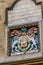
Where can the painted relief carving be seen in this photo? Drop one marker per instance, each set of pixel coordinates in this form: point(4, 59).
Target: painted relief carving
point(24, 39)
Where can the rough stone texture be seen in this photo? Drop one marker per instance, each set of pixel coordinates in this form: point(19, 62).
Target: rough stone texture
point(39, 0)
point(3, 5)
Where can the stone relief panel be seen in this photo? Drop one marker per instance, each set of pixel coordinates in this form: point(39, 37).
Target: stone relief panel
point(15, 17)
point(24, 12)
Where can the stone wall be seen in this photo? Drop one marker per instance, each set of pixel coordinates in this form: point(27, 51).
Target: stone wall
point(3, 5)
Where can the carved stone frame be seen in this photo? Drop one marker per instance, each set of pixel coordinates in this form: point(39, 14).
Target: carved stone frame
point(14, 27)
point(26, 62)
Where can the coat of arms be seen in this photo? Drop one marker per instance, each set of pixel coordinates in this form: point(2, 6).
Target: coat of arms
point(24, 38)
